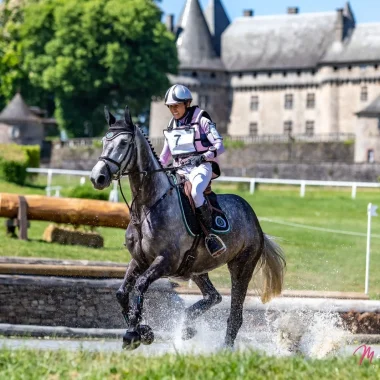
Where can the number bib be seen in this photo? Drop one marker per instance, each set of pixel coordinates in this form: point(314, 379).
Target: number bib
point(181, 141)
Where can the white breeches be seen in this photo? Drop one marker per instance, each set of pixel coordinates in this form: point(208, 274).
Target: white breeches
point(199, 177)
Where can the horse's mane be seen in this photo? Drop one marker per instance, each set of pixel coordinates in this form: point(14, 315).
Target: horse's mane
point(151, 148)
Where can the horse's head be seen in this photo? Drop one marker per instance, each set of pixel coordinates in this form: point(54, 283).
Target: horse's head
point(118, 150)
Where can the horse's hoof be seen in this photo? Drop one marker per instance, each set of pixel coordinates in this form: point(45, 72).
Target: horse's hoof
point(146, 333)
point(188, 333)
point(131, 340)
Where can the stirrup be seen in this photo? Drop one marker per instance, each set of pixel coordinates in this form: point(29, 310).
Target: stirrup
point(221, 249)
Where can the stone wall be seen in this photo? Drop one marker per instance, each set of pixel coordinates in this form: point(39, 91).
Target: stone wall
point(53, 301)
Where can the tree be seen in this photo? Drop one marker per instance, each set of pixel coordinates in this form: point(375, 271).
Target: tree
point(95, 52)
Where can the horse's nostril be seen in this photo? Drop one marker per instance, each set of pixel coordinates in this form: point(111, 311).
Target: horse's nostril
point(101, 179)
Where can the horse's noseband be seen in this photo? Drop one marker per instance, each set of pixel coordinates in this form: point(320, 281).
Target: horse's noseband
point(110, 136)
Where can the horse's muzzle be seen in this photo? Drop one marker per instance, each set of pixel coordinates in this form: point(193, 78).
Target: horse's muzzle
point(99, 176)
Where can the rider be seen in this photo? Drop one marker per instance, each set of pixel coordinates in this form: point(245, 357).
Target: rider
point(192, 140)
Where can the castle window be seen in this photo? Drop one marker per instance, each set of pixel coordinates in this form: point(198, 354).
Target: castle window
point(310, 101)
point(299, 73)
point(349, 68)
point(212, 75)
point(194, 74)
point(254, 75)
point(370, 156)
point(240, 75)
point(284, 74)
point(253, 129)
point(376, 67)
point(288, 127)
point(288, 101)
point(335, 68)
point(364, 94)
point(269, 74)
point(254, 103)
point(203, 101)
point(309, 128)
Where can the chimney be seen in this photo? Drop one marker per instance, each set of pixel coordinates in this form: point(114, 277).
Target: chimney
point(293, 10)
point(248, 13)
point(170, 22)
point(339, 26)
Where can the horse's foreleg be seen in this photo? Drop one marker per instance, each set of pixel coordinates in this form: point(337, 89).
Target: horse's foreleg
point(211, 297)
point(157, 269)
point(126, 287)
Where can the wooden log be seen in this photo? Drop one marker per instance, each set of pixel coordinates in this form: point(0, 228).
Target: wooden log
point(67, 210)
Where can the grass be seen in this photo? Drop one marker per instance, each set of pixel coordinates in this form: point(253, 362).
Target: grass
point(33, 364)
point(316, 260)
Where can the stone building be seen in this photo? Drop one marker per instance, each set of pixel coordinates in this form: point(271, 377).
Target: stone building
point(22, 124)
point(294, 75)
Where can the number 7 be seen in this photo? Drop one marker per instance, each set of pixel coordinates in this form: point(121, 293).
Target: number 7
point(178, 137)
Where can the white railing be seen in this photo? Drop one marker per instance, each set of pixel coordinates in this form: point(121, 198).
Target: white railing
point(252, 181)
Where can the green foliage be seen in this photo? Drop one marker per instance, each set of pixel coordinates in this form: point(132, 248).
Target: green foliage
point(88, 54)
point(233, 144)
point(88, 192)
point(349, 142)
point(14, 159)
point(223, 365)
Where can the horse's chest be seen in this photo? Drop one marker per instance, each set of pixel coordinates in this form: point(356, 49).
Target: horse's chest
point(132, 240)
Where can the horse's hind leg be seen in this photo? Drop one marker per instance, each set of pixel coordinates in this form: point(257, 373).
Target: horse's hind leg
point(126, 287)
point(241, 269)
point(211, 297)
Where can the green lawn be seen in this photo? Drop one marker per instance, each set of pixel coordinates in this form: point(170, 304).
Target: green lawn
point(34, 364)
point(316, 260)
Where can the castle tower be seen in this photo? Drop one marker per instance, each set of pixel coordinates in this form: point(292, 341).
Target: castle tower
point(200, 69)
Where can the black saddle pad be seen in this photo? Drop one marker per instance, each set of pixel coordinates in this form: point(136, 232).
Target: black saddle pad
point(220, 223)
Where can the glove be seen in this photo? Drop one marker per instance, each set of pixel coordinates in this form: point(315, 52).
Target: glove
point(195, 161)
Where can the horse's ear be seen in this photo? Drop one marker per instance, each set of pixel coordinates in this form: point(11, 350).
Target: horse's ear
point(109, 117)
point(127, 117)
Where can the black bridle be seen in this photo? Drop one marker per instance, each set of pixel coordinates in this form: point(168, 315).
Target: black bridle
point(120, 173)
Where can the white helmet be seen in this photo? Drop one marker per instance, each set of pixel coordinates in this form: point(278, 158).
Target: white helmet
point(177, 94)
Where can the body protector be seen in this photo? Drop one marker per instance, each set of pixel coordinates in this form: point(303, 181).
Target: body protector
point(192, 139)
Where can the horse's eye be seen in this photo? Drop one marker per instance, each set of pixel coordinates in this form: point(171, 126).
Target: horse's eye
point(123, 142)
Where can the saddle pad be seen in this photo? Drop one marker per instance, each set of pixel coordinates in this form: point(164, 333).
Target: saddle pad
point(220, 223)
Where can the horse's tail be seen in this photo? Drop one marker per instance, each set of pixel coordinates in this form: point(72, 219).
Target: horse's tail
point(272, 264)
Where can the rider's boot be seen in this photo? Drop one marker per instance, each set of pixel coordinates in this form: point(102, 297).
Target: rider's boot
point(214, 243)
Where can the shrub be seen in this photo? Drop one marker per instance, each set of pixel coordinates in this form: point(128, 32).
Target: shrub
point(87, 192)
point(14, 159)
point(233, 144)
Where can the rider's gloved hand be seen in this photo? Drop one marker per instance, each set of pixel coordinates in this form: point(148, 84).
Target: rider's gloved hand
point(196, 161)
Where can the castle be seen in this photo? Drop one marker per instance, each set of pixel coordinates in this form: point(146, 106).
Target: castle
point(310, 76)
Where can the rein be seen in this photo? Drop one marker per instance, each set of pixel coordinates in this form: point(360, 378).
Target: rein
point(118, 175)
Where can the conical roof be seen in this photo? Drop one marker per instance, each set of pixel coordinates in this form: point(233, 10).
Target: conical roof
point(194, 41)
point(372, 110)
point(217, 21)
point(17, 111)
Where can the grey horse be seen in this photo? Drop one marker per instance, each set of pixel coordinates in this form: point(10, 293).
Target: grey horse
point(158, 241)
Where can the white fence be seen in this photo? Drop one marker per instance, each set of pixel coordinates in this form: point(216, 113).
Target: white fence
point(252, 181)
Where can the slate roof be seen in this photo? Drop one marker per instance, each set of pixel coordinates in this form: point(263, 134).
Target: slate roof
point(194, 41)
point(217, 21)
point(278, 42)
point(18, 111)
point(362, 46)
point(373, 109)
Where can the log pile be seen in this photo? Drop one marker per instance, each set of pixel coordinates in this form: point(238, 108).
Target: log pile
point(66, 210)
point(67, 236)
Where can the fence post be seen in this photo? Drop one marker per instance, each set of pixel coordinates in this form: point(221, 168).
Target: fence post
point(353, 193)
point(252, 186)
point(49, 177)
point(303, 189)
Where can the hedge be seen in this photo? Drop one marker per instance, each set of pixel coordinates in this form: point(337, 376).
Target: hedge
point(14, 159)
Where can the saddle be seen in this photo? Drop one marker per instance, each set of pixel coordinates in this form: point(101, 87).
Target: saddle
point(220, 223)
